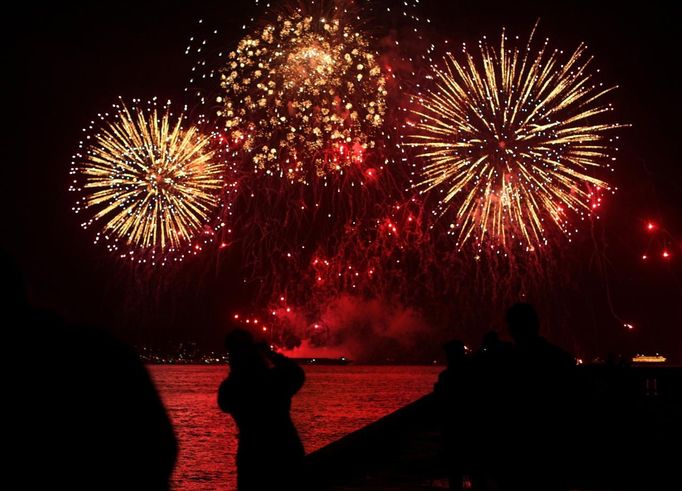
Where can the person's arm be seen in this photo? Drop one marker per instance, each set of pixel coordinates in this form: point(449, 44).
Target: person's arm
point(440, 386)
point(289, 374)
point(225, 396)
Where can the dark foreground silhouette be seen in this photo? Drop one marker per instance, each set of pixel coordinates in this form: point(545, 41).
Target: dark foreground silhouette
point(520, 416)
point(505, 411)
point(84, 414)
point(257, 393)
point(453, 390)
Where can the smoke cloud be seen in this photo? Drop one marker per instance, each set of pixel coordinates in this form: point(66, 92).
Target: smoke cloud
point(363, 330)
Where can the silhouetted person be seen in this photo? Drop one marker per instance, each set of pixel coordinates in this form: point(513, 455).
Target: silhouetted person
point(493, 351)
point(490, 394)
point(452, 392)
point(86, 414)
point(257, 393)
point(532, 349)
point(541, 384)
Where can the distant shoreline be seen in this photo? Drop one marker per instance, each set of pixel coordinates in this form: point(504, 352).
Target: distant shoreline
point(339, 362)
point(302, 361)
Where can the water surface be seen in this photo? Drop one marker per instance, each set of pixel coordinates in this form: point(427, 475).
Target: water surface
point(334, 401)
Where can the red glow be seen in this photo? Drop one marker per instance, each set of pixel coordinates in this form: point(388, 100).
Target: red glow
point(222, 140)
point(665, 254)
point(389, 227)
point(343, 153)
point(358, 153)
point(650, 226)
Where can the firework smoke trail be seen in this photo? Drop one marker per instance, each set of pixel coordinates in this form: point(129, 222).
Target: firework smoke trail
point(302, 106)
point(151, 184)
point(314, 220)
point(513, 141)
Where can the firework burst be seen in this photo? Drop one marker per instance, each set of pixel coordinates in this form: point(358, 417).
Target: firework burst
point(151, 184)
point(513, 141)
point(305, 96)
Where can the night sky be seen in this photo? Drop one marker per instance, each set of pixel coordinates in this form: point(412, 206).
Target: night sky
point(70, 61)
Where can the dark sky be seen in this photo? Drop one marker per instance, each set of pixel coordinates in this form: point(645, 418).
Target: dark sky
point(69, 61)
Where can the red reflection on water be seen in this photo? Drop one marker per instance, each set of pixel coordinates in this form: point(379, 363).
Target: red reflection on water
point(335, 401)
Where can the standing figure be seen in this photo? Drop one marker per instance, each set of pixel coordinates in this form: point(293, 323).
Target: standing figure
point(539, 410)
point(257, 394)
point(452, 393)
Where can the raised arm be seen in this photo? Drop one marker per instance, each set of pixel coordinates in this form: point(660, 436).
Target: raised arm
point(289, 374)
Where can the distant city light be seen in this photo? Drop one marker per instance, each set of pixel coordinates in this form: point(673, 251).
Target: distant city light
point(649, 359)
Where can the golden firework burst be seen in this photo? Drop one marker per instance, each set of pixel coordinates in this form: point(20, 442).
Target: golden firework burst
point(513, 140)
point(151, 183)
point(304, 93)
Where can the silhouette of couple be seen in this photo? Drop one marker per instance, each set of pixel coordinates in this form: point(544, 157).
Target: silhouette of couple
point(505, 410)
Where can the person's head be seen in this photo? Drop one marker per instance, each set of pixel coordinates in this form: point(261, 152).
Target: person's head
point(491, 338)
point(242, 349)
point(454, 351)
point(523, 323)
